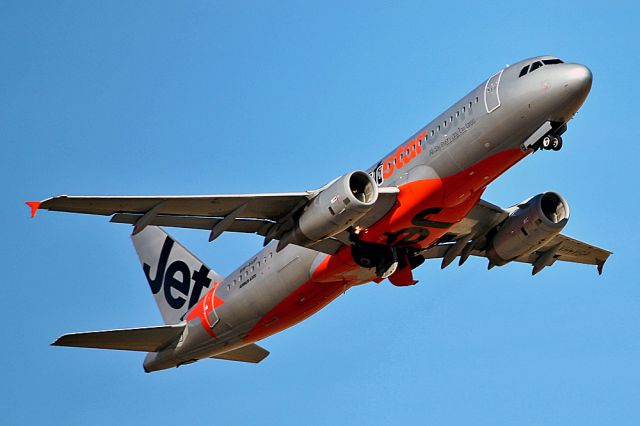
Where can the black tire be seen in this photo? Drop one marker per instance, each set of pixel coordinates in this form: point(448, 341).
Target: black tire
point(546, 142)
point(556, 144)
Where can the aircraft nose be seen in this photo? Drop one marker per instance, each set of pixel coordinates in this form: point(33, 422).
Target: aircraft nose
point(578, 79)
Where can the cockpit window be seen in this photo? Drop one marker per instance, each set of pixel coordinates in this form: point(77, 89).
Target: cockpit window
point(535, 66)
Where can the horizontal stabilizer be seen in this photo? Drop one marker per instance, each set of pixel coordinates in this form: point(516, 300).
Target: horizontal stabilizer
point(146, 339)
point(250, 353)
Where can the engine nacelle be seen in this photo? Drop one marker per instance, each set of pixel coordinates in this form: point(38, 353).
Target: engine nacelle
point(334, 209)
point(530, 226)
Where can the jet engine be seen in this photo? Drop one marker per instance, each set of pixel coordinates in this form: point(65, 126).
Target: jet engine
point(336, 207)
point(531, 225)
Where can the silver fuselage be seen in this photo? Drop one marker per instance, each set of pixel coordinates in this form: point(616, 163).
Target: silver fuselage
point(486, 127)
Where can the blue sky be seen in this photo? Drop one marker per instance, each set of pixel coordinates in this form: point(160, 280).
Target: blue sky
point(205, 97)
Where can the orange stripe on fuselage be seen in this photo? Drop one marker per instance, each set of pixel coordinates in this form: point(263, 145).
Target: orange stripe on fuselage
point(336, 273)
point(305, 301)
point(444, 200)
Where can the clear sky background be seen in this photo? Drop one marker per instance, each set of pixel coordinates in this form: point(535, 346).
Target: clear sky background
point(201, 97)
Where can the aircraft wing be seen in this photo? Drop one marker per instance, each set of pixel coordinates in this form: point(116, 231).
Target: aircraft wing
point(485, 216)
point(262, 206)
point(247, 213)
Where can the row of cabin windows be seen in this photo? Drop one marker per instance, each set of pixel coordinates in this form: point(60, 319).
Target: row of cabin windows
point(433, 132)
point(537, 64)
point(450, 120)
point(245, 274)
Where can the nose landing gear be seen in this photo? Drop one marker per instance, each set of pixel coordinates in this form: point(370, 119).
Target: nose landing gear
point(551, 142)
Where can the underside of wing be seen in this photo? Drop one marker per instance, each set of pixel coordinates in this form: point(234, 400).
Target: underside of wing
point(570, 250)
point(269, 215)
point(475, 235)
point(264, 206)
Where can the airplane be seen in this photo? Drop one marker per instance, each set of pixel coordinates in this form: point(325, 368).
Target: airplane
point(420, 201)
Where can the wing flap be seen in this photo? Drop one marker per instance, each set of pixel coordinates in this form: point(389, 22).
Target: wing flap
point(483, 216)
point(570, 250)
point(251, 353)
point(249, 226)
point(146, 339)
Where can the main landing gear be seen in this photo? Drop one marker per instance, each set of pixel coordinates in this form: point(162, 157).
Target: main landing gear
point(390, 262)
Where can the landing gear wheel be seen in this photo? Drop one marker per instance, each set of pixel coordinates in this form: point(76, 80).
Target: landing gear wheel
point(556, 143)
point(546, 142)
point(385, 272)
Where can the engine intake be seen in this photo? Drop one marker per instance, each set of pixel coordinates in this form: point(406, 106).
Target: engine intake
point(531, 225)
point(336, 207)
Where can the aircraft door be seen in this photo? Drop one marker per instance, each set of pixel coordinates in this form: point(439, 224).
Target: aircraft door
point(491, 93)
point(210, 304)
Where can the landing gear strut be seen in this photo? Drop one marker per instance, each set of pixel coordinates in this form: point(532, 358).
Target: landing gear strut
point(383, 258)
point(390, 262)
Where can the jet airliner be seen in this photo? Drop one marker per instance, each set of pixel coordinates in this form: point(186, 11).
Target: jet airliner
point(420, 201)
